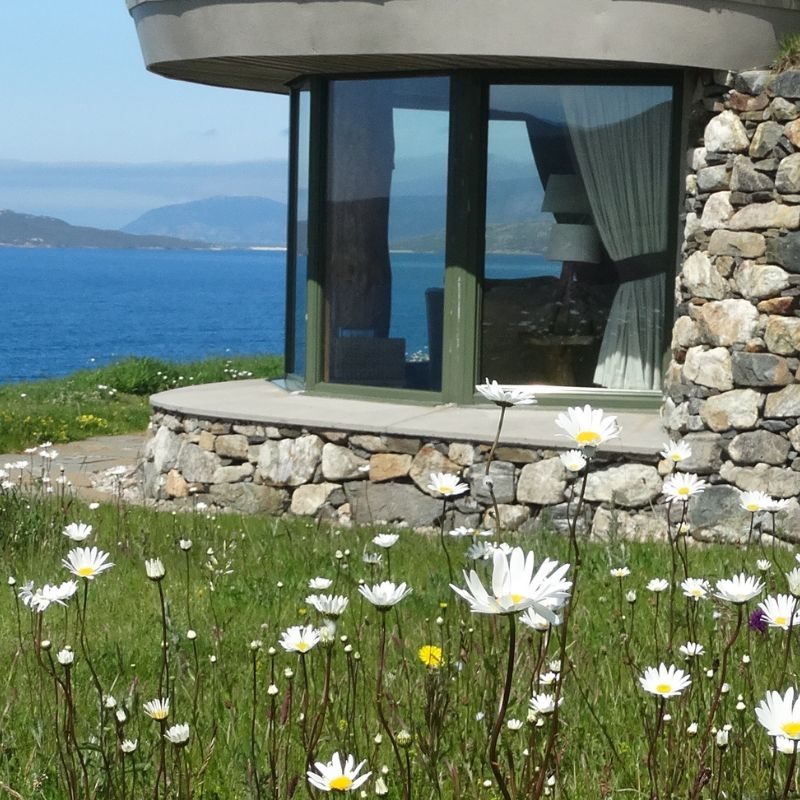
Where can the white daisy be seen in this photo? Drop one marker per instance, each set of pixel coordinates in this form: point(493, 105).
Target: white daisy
point(299, 638)
point(587, 426)
point(445, 484)
point(386, 594)
point(157, 709)
point(658, 585)
point(692, 649)
point(337, 777)
point(781, 611)
point(573, 460)
point(462, 531)
point(178, 734)
point(77, 531)
point(664, 681)
point(385, 540)
point(154, 568)
point(320, 584)
point(695, 588)
point(676, 451)
point(780, 715)
point(505, 396)
point(543, 703)
point(682, 486)
point(620, 572)
point(754, 501)
point(536, 621)
point(128, 745)
point(329, 605)
point(86, 562)
point(739, 589)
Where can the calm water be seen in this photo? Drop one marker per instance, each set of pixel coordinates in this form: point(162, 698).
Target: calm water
point(63, 310)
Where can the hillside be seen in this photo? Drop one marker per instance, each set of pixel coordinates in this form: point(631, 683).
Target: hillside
point(28, 230)
point(223, 220)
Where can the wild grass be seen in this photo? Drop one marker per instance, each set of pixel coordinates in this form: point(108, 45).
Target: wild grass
point(107, 400)
point(259, 716)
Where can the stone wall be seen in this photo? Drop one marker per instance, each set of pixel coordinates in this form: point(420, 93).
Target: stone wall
point(370, 479)
point(732, 387)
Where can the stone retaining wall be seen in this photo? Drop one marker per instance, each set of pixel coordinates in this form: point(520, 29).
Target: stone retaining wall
point(370, 479)
point(732, 388)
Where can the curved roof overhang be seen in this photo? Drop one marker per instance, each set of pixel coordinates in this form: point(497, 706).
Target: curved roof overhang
point(265, 44)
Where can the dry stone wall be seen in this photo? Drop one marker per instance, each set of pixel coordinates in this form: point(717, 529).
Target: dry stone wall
point(732, 387)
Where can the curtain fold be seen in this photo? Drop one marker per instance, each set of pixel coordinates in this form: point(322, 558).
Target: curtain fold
point(621, 138)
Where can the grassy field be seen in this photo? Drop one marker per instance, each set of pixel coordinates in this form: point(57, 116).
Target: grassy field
point(259, 716)
point(107, 400)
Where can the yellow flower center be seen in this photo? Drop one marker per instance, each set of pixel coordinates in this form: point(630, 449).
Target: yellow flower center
point(780, 620)
point(517, 598)
point(663, 688)
point(683, 491)
point(159, 714)
point(676, 457)
point(587, 437)
point(85, 572)
point(445, 490)
point(341, 784)
point(302, 646)
point(791, 729)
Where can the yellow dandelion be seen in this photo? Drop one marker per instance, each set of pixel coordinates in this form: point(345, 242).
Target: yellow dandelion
point(431, 656)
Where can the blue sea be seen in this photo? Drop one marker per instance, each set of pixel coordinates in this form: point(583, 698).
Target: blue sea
point(67, 309)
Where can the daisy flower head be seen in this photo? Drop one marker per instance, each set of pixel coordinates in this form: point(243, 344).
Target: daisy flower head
point(620, 572)
point(320, 584)
point(681, 486)
point(178, 734)
point(431, 656)
point(337, 777)
point(85, 562)
point(329, 605)
point(462, 531)
point(793, 581)
point(780, 715)
point(543, 703)
point(658, 585)
point(65, 657)
point(385, 540)
point(185, 545)
point(777, 504)
point(695, 588)
point(515, 586)
point(664, 681)
point(763, 565)
point(372, 559)
point(754, 501)
point(781, 611)
point(692, 649)
point(157, 709)
point(299, 638)
point(739, 589)
point(587, 426)
point(154, 568)
point(445, 484)
point(77, 531)
point(505, 396)
point(386, 594)
point(676, 451)
point(128, 746)
point(536, 621)
point(480, 551)
point(786, 746)
point(573, 460)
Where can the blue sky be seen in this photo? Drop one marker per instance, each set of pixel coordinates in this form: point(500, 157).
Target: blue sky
point(76, 98)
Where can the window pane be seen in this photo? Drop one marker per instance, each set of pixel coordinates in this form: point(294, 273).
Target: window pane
point(385, 220)
point(576, 235)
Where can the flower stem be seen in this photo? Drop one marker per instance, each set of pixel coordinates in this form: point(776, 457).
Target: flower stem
point(501, 711)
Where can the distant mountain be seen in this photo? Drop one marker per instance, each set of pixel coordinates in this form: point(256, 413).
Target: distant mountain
point(531, 236)
point(219, 220)
point(28, 230)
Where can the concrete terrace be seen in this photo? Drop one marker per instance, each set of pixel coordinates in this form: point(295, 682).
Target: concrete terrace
point(259, 401)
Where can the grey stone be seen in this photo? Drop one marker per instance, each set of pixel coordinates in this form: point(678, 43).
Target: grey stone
point(628, 485)
point(727, 322)
point(153, 481)
point(248, 498)
point(197, 465)
point(794, 437)
point(735, 409)
point(385, 444)
point(543, 482)
point(760, 369)
point(715, 516)
point(787, 179)
point(234, 445)
point(391, 502)
point(757, 281)
point(234, 473)
point(782, 335)
point(758, 216)
point(696, 158)
point(308, 499)
point(787, 84)
point(342, 464)
point(611, 524)
point(706, 453)
point(165, 446)
point(717, 211)
point(775, 481)
point(462, 453)
point(745, 178)
point(427, 461)
point(512, 517)
point(725, 133)
point(765, 138)
point(755, 447)
point(691, 226)
point(752, 81)
point(787, 523)
point(737, 243)
point(713, 179)
point(255, 433)
point(702, 279)
point(685, 333)
point(783, 403)
point(502, 476)
point(710, 368)
point(207, 441)
point(783, 110)
point(289, 462)
point(691, 185)
point(785, 250)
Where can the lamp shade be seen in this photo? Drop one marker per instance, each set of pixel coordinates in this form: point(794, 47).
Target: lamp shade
point(574, 243)
point(565, 194)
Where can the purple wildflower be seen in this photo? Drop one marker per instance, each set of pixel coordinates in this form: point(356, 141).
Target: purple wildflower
point(758, 621)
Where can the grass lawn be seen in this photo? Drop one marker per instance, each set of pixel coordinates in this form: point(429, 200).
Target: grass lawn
point(108, 400)
point(259, 716)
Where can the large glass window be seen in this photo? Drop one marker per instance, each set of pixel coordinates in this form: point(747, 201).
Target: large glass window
point(576, 235)
point(385, 212)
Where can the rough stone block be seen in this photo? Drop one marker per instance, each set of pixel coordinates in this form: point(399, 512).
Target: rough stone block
point(165, 447)
point(713, 179)
point(735, 409)
point(787, 84)
point(775, 481)
point(502, 476)
point(706, 453)
point(782, 335)
point(307, 500)
point(248, 498)
point(289, 462)
point(197, 465)
point(391, 502)
point(462, 453)
point(765, 138)
point(701, 279)
point(725, 133)
point(785, 250)
point(737, 243)
point(783, 403)
point(745, 178)
point(342, 464)
point(710, 368)
point(234, 445)
point(727, 322)
point(427, 461)
point(717, 211)
point(629, 485)
point(542, 483)
point(388, 466)
point(611, 524)
point(755, 447)
point(715, 516)
point(787, 179)
point(233, 474)
point(760, 369)
point(512, 517)
point(758, 216)
point(757, 281)
point(685, 333)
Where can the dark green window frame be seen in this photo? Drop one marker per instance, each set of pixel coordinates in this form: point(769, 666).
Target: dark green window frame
point(464, 249)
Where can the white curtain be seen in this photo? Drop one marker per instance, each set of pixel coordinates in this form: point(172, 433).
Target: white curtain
point(621, 138)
